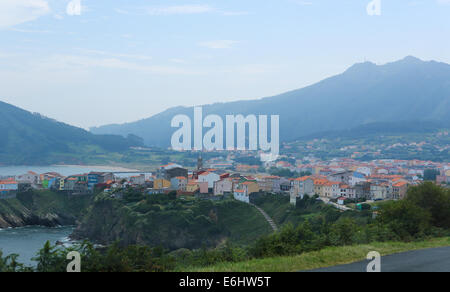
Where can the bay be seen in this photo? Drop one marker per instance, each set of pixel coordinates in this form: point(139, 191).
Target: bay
point(27, 241)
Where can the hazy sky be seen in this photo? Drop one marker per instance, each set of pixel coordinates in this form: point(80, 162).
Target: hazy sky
point(122, 60)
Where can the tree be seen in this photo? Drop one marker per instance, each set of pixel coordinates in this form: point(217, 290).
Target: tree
point(405, 219)
point(50, 259)
point(434, 199)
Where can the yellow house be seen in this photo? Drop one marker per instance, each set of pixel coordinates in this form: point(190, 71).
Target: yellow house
point(161, 183)
point(250, 187)
point(320, 187)
point(192, 187)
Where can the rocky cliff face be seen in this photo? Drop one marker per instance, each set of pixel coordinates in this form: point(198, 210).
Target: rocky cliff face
point(27, 218)
point(42, 208)
point(170, 224)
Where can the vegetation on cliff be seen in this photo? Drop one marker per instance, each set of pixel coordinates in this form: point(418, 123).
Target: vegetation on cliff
point(46, 208)
point(170, 222)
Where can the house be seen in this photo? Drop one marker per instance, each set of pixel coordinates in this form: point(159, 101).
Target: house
point(380, 191)
point(94, 178)
point(273, 184)
point(364, 170)
point(399, 190)
point(356, 178)
point(285, 186)
point(30, 177)
point(319, 186)
point(267, 183)
point(341, 200)
point(331, 189)
point(223, 186)
point(192, 187)
point(61, 184)
point(161, 183)
point(9, 185)
point(341, 177)
point(49, 179)
point(347, 191)
point(171, 170)
point(300, 187)
point(80, 177)
point(70, 183)
point(8, 188)
point(209, 177)
point(362, 190)
point(203, 187)
point(241, 195)
point(138, 180)
point(444, 177)
point(249, 187)
point(178, 183)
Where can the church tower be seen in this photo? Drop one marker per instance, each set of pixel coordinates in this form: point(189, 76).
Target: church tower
point(200, 162)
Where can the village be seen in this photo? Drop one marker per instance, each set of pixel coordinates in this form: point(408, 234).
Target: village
point(338, 182)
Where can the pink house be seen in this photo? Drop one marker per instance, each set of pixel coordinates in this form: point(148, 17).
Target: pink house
point(203, 187)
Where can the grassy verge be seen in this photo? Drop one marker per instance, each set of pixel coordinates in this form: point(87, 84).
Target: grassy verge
point(325, 258)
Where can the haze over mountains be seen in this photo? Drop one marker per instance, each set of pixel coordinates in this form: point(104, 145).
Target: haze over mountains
point(400, 97)
point(407, 90)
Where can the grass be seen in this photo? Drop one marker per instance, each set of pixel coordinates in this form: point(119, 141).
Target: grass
point(244, 223)
point(325, 258)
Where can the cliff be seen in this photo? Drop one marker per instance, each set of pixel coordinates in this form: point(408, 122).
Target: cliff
point(43, 208)
point(170, 223)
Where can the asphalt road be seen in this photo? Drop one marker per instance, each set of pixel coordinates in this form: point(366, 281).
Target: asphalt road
point(426, 260)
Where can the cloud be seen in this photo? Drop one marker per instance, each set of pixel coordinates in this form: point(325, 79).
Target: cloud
point(219, 44)
point(180, 9)
point(117, 55)
point(14, 12)
point(74, 8)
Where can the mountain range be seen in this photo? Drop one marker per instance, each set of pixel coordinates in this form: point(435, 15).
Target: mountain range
point(30, 138)
point(406, 90)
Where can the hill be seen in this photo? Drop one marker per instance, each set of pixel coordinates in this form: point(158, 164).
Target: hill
point(409, 89)
point(171, 223)
point(30, 138)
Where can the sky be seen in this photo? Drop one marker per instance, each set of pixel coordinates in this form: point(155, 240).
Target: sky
point(95, 62)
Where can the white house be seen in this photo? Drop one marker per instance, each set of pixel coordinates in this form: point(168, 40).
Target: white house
point(209, 177)
point(241, 195)
point(364, 170)
point(300, 187)
point(29, 177)
point(223, 186)
point(179, 183)
point(356, 178)
point(341, 200)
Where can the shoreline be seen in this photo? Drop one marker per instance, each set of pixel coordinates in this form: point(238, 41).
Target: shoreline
point(106, 167)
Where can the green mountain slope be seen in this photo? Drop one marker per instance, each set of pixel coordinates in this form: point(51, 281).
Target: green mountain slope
point(29, 138)
point(409, 89)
